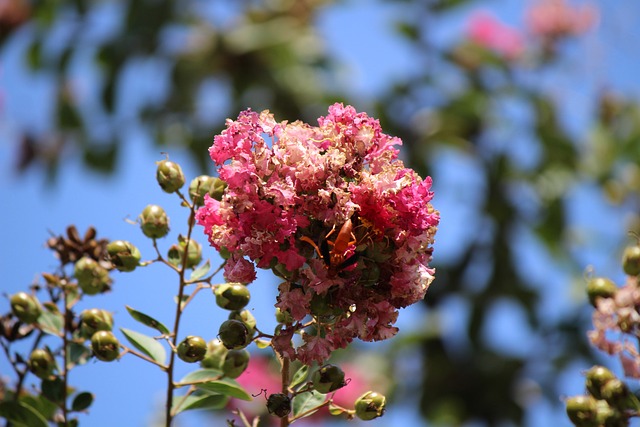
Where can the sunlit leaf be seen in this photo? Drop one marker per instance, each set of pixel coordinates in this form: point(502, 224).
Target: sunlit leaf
point(199, 400)
point(148, 320)
point(78, 354)
point(212, 380)
point(299, 376)
point(51, 323)
point(307, 402)
point(146, 344)
point(199, 272)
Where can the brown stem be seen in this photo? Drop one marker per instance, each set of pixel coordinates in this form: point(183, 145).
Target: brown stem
point(284, 421)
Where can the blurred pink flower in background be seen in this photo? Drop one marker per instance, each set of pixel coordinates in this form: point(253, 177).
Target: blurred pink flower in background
point(557, 18)
point(487, 31)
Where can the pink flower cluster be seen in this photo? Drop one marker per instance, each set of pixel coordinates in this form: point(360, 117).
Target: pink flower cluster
point(487, 31)
point(331, 210)
point(617, 323)
point(555, 18)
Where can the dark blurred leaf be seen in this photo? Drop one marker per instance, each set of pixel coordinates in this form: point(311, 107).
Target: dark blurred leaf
point(101, 157)
point(82, 401)
point(21, 414)
point(53, 390)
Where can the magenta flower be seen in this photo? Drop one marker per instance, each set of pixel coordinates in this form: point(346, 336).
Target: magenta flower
point(555, 18)
point(487, 31)
point(332, 211)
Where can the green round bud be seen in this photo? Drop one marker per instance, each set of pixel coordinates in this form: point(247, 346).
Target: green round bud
point(169, 176)
point(321, 306)
point(370, 405)
point(154, 222)
point(192, 349)
point(94, 320)
point(124, 256)
point(217, 188)
point(245, 317)
point(194, 253)
point(631, 260)
point(25, 307)
point(279, 404)
point(616, 393)
point(235, 362)
point(596, 378)
point(105, 346)
point(232, 296)
point(224, 253)
point(582, 410)
point(234, 334)
point(41, 363)
point(198, 187)
point(283, 316)
point(600, 287)
point(215, 355)
point(92, 277)
point(328, 378)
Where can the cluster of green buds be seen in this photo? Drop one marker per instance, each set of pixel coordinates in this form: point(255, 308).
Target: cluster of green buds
point(609, 403)
point(231, 362)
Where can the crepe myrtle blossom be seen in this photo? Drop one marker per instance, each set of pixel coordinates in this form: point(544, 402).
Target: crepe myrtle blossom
point(556, 18)
point(332, 211)
point(487, 31)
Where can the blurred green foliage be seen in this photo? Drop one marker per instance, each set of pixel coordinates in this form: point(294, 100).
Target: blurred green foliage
point(269, 55)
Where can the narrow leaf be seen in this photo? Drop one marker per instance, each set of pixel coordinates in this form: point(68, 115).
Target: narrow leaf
point(307, 402)
point(146, 344)
point(51, 323)
point(199, 400)
point(199, 272)
point(82, 401)
point(148, 320)
point(211, 380)
point(21, 414)
point(299, 376)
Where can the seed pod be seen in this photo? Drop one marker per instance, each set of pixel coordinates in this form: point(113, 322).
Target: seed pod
point(328, 378)
point(41, 363)
point(245, 317)
point(25, 307)
point(631, 260)
point(154, 222)
point(582, 410)
point(279, 404)
point(94, 320)
point(92, 277)
point(600, 287)
point(105, 346)
point(370, 405)
point(123, 255)
point(194, 253)
point(232, 296)
point(596, 378)
point(234, 334)
point(235, 363)
point(192, 349)
point(169, 176)
point(215, 355)
point(204, 184)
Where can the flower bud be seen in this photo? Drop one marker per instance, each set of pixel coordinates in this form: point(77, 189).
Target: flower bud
point(596, 378)
point(370, 405)
point(169, 176)
point(618, 395)
point(105, 346)
point(328, 378)
point(192, 349)
point(232, 296)
point(25, 307)
point(204, 184)
point(582, 410)
point(600, 287)
point(234, 334)
point(245, 317)
point(215, 355)
point(194, 252)
point(631, 260)
point(154, 222)
point(124, 256)
point(92, 277)
point(94, 320)
point(235, 362)
point(41, 363)
point(279, 404)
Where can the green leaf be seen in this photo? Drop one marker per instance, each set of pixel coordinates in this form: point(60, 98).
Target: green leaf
point(21, 414)
point(53, 390)
point(51, 323)
point(78, 354)
point(307, 401)
point(299, 376)
point(40, 404)
point(148, 321)
point(262, 343)
point(146, 344)
point(184, 299)
point(199, 400)
point(211, 380)
point(199, 272)
point(82, 401)
point(336, 410)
